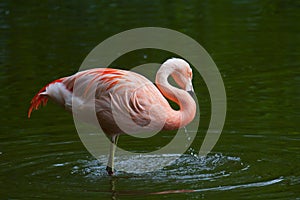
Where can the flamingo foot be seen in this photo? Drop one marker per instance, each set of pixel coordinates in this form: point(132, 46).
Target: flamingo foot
point(109, 170)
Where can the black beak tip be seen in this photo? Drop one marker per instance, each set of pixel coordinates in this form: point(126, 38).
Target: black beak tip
point(192, 93)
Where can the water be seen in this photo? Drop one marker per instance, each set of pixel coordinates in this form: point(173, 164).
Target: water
point(255, 45)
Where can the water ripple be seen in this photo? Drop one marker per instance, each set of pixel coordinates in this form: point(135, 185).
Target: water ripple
point(224, 188)
point(185, 168)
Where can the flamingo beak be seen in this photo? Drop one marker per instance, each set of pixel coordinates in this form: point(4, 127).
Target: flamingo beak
point(189, 88)
point(192, 93)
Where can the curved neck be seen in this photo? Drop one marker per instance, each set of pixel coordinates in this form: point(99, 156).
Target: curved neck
point(186, 113)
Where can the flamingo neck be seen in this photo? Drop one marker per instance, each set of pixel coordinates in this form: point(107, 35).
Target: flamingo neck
point(175, 118)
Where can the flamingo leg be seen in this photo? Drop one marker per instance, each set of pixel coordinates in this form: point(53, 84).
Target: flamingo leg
point(110, 164)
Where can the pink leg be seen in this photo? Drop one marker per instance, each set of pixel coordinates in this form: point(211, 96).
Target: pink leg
point(110, 164)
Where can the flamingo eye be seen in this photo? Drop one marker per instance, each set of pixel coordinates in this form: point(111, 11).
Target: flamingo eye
point(190, 74)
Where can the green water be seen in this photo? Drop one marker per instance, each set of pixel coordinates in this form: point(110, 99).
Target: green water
point(255, 45)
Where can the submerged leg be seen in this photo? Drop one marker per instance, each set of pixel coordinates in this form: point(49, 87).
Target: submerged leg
point(110, 164)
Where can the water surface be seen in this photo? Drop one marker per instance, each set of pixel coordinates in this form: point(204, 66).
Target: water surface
point(255, 45)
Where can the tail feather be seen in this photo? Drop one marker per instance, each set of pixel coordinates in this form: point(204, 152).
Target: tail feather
point(41, 98)
point(37, 100)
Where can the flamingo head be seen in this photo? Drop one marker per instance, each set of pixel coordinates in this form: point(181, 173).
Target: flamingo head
point(182, 74)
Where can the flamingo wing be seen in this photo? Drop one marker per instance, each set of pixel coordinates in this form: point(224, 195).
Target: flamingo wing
point(120, 98)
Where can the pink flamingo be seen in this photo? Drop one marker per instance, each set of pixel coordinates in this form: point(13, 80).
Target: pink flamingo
point(127, 92)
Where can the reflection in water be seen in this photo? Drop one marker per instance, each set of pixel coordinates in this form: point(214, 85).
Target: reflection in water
point(113, 188)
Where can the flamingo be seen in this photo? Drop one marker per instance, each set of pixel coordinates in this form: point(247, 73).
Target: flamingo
point(130, 95)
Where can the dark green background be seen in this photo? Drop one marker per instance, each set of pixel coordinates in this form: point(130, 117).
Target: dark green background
point(255, 45)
